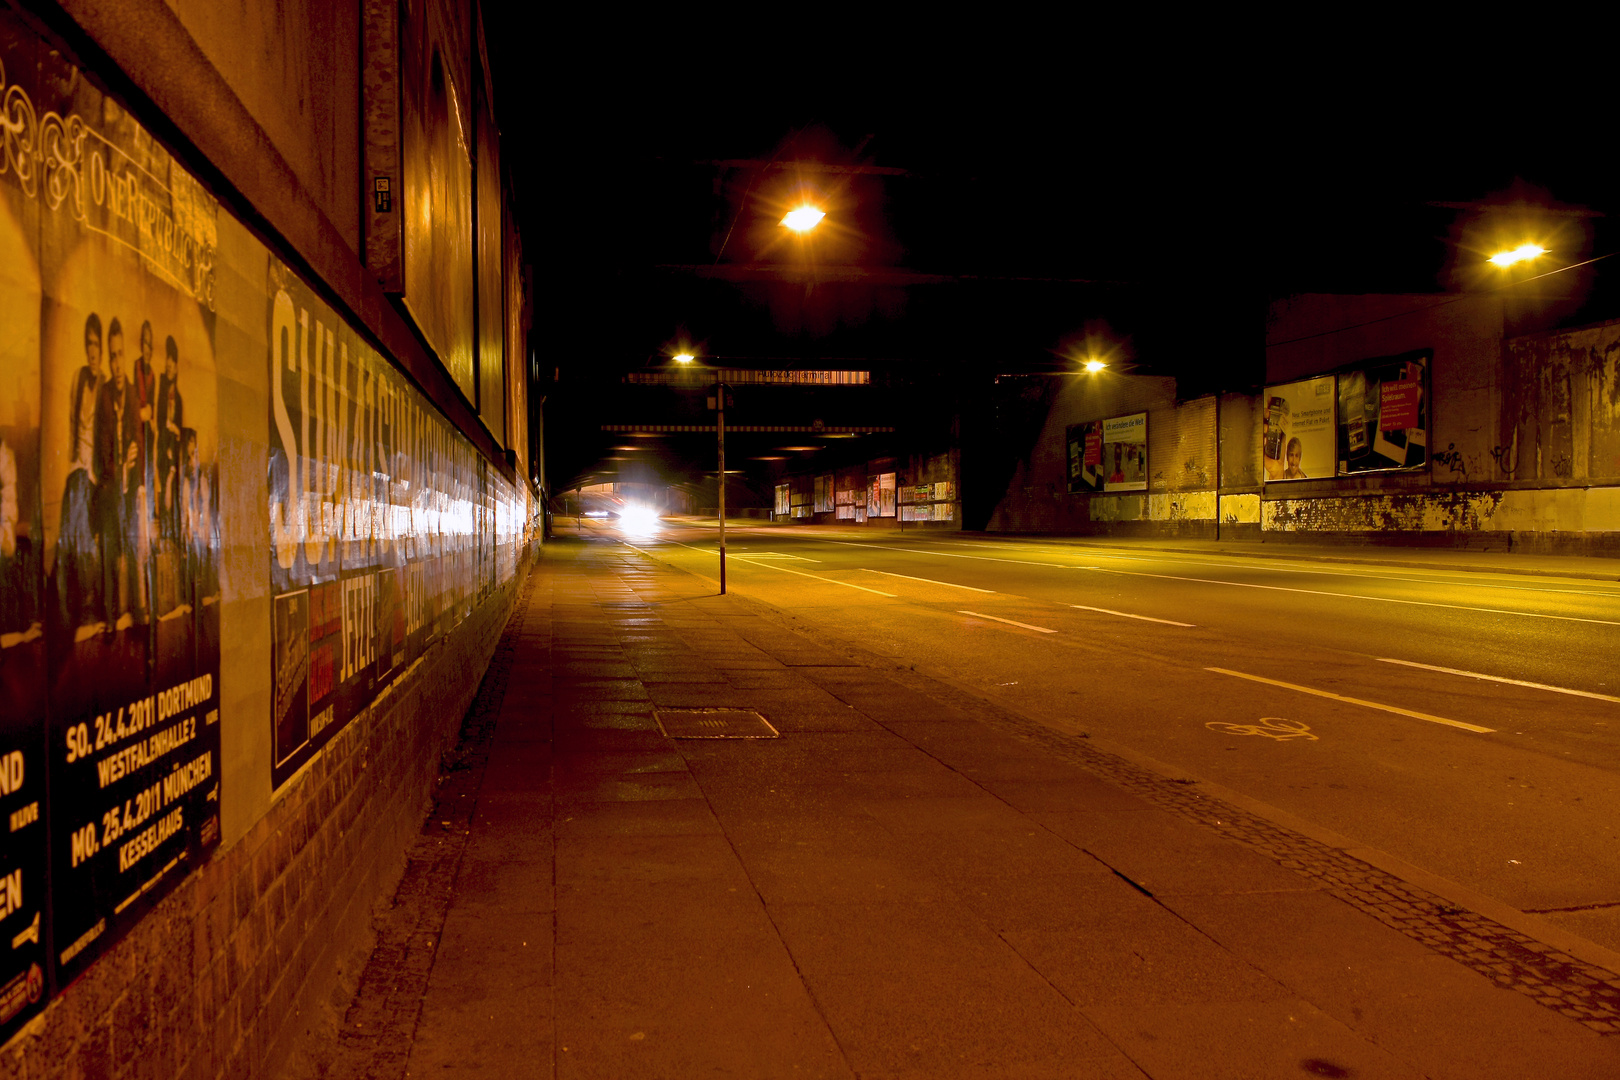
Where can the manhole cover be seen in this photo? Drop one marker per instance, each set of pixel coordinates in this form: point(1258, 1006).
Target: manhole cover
point(714, 724)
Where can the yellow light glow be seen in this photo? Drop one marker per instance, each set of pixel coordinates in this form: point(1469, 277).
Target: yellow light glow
point(1522, 253)
point(803, 219)
point(637, 520)
point(684, 358)
point(1095, 366)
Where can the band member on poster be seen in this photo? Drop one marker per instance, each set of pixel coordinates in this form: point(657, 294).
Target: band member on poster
point(12, 614)
point(1118, 475)
point(170, 420)
point(111, 459)
point(79, 587)
point(197, 496)
point(142, 412)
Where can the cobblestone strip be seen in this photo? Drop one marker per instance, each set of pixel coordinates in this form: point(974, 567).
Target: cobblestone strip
point(380, 1024)
point(1580, 991)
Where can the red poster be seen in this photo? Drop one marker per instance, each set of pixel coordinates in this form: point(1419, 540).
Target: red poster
point(1398, 405)
point(1094, 447)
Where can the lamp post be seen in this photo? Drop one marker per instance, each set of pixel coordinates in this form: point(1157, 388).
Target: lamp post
point(720, 430)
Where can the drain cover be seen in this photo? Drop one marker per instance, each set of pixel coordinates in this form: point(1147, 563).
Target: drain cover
point(714, 724)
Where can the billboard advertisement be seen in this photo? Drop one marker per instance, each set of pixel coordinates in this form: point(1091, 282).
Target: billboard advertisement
point(1124, 453)
point(109, 538)
point(1384, 414)
point(1297, 430)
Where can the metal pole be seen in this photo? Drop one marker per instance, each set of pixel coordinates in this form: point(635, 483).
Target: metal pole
point(720, 404)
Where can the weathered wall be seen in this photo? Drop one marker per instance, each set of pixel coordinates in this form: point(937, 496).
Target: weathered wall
point(1525, 443)
point(1559, 419)
point(216, 200)
point(1524, 439)
point(294, 66)
point(230, 973)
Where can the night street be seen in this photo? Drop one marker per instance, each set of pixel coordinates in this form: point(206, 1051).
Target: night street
point(783, 546)
point(1463, 720)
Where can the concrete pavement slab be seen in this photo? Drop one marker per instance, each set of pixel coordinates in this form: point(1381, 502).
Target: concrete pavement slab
point(1244, 1040)
point(1441, 1016)
point(1163, 853)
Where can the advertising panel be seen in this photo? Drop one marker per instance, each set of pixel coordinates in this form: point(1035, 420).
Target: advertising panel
point(880, 495)
point(1384, 415)
point(382, 522)
point(824, 494)
point(1124, 453)
point(849, 503)
point(109, 540)
point(1085, 456)
point(1297, 430)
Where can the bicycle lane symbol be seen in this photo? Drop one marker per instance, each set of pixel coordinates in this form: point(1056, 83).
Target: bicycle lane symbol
point(1271, 727)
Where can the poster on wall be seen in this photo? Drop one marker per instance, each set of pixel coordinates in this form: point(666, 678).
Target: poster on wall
point(109, 509)
point(824, 494)
point(783, 495)
point(1384, 415)
point(880, 495)
point(1085, 456)
point(1124, 453)
point(382, 524)
point(23, 614)
point(1297, 430)
point(386, 527)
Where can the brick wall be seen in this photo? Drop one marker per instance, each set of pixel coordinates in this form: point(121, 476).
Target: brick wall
point(262, 945)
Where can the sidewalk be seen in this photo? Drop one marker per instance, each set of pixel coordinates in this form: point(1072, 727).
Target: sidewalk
point(905, 883)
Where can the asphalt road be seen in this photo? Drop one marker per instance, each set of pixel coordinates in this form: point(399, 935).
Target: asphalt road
point(1466, 722)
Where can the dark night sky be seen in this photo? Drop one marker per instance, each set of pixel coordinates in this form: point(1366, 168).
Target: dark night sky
point(1188, 188)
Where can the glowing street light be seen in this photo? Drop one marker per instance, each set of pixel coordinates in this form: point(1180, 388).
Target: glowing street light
point(684, 358)
point(803, 219)
point(1522, 253)
point(1094, 366)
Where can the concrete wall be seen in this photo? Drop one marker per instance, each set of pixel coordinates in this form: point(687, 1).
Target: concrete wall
point(1524, 439)
point(1525, 443)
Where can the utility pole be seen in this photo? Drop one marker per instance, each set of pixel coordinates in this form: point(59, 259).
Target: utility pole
point(720, 427)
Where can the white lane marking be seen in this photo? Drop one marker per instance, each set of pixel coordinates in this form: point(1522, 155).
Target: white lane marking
point(1354, 701)
point(1464, 579)
point(1128, 615)
point(1369, 575)
point(818, 577)
point(946, 554)
point(770, 555)
point(1009, 622)
point(930, 581)
point(1361, 596)
point(1500, 679)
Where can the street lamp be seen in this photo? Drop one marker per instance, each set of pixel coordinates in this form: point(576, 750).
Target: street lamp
point(1522, 253)
point(1094, 365)
point(684, 358)
point(803, 219)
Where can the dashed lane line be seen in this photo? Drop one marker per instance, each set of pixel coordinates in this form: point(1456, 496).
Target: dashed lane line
point(1353, 701)
point(1361, 596)
point(930, 581)
point(1009, 622)
point(818, 577)
point(1128, 615)
point(1499, 679)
